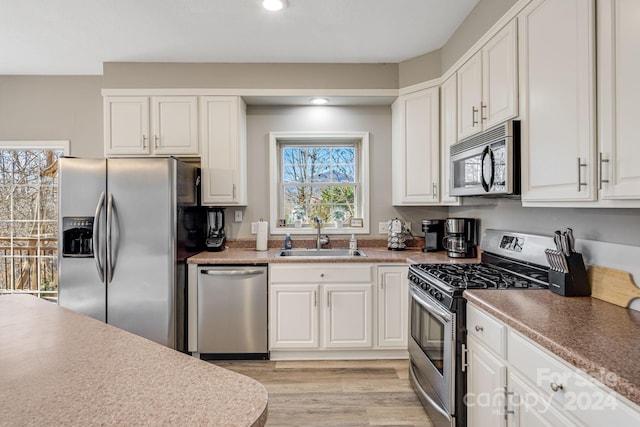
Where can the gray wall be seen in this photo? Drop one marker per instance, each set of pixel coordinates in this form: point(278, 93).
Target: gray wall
point(120, 75)
point(482, 17)
point(423, 68)
point(264, 119)
point(48, 108)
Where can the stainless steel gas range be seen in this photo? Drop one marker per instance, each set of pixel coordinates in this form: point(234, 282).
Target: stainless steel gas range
point(437, 342)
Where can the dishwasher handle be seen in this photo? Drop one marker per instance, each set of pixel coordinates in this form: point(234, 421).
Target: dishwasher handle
point(214, 272)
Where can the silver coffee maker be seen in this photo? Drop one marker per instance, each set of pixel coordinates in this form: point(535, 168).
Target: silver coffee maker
point(460, 237)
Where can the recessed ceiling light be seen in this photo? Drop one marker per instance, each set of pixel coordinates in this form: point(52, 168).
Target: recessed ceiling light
point(274, 5)
point(319, 101)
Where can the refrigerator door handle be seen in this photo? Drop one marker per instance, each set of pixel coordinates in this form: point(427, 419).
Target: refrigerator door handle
point(96, 238)
point(109, 252)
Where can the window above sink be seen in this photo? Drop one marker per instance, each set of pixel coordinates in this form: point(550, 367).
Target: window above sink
point(323, 174)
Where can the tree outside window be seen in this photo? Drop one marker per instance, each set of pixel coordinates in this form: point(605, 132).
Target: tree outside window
point(318, 180)
point(29, 219)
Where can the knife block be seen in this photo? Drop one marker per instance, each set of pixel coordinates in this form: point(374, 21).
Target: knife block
point(574, 283)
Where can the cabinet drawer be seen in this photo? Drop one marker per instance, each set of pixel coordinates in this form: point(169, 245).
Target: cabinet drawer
point(322, 273)
point(487, 330)
point(575, 393)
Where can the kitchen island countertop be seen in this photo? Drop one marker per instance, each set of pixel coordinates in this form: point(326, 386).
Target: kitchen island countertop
point(63, 368)
point(592, 335)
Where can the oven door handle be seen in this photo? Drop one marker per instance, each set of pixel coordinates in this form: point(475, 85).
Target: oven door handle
point(443, 315)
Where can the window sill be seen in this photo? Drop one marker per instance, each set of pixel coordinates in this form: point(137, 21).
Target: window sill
point(311, 231)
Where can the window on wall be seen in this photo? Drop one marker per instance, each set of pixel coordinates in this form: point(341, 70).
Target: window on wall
point(29, 217)
point(319, 175)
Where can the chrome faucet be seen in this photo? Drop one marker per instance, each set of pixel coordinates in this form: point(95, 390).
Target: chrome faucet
point(321, 240)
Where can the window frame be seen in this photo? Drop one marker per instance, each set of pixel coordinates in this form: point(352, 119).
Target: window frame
point(275, 173)
point(64, 146)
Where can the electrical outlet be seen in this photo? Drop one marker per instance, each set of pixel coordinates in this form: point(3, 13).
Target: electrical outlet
point(254, 228)
point(238, 216)
point(407, 225)
point(383, 227)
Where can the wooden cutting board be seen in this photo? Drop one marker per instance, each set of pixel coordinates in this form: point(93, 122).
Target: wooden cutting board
point(614, 286)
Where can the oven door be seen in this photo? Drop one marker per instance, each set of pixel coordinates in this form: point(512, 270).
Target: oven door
point(432, 355)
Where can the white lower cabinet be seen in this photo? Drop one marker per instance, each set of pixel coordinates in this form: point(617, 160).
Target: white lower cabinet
point(294, 316)
point(323, 310)
point(347, 320)
point(530, 386)
point(393, 306)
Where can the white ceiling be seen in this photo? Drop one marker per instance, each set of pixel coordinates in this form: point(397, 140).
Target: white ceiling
point(75, 37)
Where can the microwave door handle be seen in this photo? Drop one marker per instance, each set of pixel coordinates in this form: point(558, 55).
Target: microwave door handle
point(486, 183)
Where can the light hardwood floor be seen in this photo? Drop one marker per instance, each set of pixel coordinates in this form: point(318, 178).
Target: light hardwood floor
point(336, 393)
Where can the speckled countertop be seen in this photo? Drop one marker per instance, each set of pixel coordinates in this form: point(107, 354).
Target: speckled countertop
point(590, 334)
point(58, 367)
point(378, 255)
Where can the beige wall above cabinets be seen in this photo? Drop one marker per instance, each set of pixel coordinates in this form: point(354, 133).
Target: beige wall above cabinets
point(563, 163)
point(151, 126)
point(53, 108)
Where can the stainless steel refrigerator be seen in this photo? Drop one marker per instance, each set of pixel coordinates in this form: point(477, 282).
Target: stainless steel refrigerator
point(126, 229)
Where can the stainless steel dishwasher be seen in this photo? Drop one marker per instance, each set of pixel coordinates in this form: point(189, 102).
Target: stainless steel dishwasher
point(232, 312)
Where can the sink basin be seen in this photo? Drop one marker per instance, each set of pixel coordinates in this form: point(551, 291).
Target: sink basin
point(322, 253)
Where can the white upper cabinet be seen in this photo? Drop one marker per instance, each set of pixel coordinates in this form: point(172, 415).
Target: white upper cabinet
point(488, 84)
point(557, 103)
point(149, 126)
point(126, 125)
point(618, 162)
point(224, 150)
point(415, 145)
point(174, 122)
point(448, 136)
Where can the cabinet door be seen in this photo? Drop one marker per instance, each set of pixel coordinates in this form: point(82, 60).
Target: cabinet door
point(347, 320)
point(486, 380)
point(448, 136)
point(393, 302)
point(174, 120)
point(223, 120)
point(500, 77)
point(126, 125)
point(293, 314)
point(416, 148)
point(556, 49)
point(619, 91)
point(529, 408)
point(470, 96)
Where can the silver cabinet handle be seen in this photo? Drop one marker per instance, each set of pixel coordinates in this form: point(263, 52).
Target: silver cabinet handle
point(156, 141)
point(580, 166)
point(144, 141)
point(474, 111)
point(96, 238)
point(109, 246)
point(600, 162)
point(479, 328)
point(233, 195)
point(214, 272)
point(315, 298)
point(434, 190)
point(483, 109)
point(556, 387)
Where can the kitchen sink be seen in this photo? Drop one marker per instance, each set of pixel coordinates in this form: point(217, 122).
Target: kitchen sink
point(321, 253)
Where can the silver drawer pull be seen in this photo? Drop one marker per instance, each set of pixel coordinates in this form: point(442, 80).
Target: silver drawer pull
point(556, 387)
point(230, 272)
point(479, 328)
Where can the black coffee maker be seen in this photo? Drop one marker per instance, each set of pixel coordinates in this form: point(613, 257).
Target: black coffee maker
point(433, 230)
point(215, 237)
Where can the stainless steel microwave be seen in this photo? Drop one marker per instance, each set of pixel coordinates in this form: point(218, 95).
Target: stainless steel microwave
point(487, 164)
